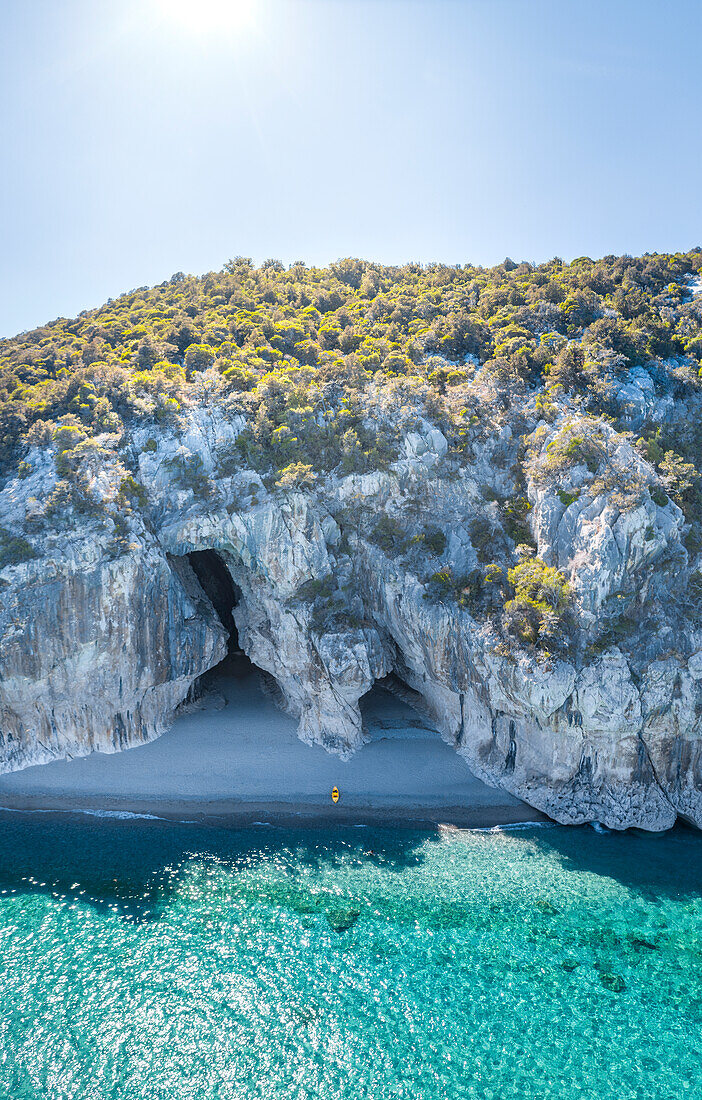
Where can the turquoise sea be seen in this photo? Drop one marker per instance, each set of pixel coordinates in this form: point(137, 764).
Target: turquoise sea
point(161, 961)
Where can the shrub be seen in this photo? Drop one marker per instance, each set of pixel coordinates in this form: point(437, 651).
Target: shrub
point(68, 436)
point(132, 490)
point(541, 601)
point(695, 586)
point(481, 590)
point(482, 535)
point(578, 442)
point(569, 448)
point(199, 357)
point(684, 483)
point(435, 541)
point(317, 588)
point(389, 535)
point(239, 378)
point(14, 549)
point(189, 472)
point(296, 476)
point(494, 573)
point(514, 516)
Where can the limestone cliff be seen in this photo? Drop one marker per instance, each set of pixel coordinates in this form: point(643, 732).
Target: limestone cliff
point(104, 630)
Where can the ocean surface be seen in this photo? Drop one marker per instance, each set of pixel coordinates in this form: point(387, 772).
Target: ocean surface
point(161, 961)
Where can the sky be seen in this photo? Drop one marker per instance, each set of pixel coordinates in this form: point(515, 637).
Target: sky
point(145, 137)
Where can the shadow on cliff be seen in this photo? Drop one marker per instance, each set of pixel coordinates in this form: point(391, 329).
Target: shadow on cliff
point(656, 866)
point(135, 868)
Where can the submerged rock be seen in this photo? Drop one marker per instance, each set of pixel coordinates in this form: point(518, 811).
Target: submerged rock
point(613, 982)
point(342, 918)
point(547, 907)
point(639, 943)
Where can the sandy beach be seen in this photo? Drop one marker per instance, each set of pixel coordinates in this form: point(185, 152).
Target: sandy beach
point(237, 757)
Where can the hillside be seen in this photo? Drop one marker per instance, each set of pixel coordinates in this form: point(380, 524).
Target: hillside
point(487, 481)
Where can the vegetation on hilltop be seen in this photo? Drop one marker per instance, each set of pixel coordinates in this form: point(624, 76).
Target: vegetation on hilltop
point(307, 352)
point(333, 366)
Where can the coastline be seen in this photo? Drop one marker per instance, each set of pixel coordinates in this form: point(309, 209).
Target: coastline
point(283, 814)
point(235, 759)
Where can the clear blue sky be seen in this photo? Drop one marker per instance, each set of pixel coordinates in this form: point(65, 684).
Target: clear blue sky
point(143, 137)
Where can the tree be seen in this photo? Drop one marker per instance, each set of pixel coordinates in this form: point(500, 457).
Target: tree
point(199, 357)
point(296, 476)
point(679, 475)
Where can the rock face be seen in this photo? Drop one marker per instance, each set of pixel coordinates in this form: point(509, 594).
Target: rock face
point(97, 654)
point(101, 638)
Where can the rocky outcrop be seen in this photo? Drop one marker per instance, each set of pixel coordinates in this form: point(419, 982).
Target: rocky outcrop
point(102, 637)
point(96, 654)
point(580, 745)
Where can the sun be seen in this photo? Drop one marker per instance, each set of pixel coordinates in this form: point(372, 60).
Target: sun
point(208, 15)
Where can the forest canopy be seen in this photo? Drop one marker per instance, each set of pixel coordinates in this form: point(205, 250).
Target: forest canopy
point(573, 378)
point(320, 359)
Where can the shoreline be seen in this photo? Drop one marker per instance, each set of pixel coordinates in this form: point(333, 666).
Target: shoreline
point(235, 759)
point(226, 812)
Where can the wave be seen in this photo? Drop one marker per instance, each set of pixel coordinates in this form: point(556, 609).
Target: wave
point(123, 815)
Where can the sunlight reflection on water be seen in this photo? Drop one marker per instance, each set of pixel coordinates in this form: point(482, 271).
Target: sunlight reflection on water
point(151, 960)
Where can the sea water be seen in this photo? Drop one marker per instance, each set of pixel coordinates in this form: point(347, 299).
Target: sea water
point(161, 961)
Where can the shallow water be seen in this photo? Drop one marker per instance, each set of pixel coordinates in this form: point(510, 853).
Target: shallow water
point(148, 960)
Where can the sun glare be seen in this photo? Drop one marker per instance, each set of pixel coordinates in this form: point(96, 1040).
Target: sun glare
point(208, 16)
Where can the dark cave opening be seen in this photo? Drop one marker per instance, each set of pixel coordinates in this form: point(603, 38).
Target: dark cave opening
point(216, 582)
point(392, 709)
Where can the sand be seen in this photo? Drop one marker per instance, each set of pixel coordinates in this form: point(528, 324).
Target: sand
point(238, 757)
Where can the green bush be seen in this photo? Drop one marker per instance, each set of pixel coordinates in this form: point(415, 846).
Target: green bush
point(482, 535)
point(433, 540)
point(189, 473)
point(296, 476)
point(389, 535)
point(541, 601)
point(199, 357)
point(514, 517)
point(571, 447)
point(14, 549)
point(132, 490)
point(481, 590)
point(317, 588)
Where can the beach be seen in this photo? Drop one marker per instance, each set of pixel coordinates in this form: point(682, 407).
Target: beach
point(234, 755)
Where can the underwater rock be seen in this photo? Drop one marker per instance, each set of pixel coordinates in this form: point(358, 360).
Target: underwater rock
point(546, 907)
point(614, 982)
point(342, 918)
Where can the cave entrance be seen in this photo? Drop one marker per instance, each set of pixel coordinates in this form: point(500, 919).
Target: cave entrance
point(393, 710)
point(216, 582)
point(235, 679)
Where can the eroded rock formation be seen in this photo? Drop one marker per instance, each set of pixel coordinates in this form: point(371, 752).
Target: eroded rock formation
point(104, 632)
